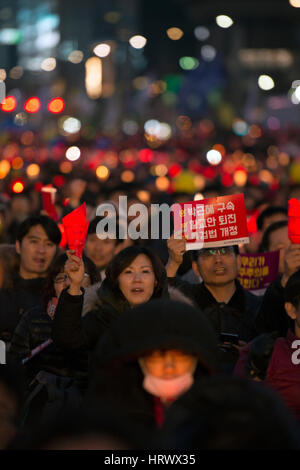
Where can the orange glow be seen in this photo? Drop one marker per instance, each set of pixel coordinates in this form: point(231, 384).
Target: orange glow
point(240, 177)
point(32, 105)
point(4, 168)
point(27, 138)
point(102, 172)
point(220, 148)
point(17, 163)
point(33, 170)
point(57, 105)
point(162, 183)
point(127, 176)
point(9, 104)
point(65, 167)
point(18, 187)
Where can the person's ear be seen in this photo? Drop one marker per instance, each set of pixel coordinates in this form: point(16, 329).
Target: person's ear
point(18, 247)
point(195, 268)
point(290, 310)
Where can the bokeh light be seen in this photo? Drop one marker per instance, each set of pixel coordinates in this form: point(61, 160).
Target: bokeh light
point(73, 153)
point(56, 105)
point(9, 104)
point(214, 157)
point(102, 172)
point(32, 105)
point(102, 50)
point(224, 21)
point(265, 82)
point(33, 170)
point(138, 41)
point(174, 33)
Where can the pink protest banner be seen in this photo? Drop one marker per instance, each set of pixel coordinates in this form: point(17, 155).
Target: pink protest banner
point(258, 270)
point(218, 221)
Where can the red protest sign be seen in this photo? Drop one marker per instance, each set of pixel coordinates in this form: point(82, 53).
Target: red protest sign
point(258, 270)
point(219, 221)
point(294, 220)
point(75, 229)
point(48, 198)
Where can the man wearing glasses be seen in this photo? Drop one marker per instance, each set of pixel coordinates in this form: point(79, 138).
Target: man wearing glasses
point(231, 309)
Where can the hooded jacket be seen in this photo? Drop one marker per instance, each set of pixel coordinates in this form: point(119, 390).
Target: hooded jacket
point(159, 324)
point(71, 331)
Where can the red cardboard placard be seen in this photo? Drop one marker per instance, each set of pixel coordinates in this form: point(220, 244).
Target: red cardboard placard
point(75, 228)
point(294, 220)
point(219, 221)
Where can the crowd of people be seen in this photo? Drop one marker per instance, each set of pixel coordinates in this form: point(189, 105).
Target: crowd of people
point(141, 344)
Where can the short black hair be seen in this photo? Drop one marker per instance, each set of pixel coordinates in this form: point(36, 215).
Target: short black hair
point(265, 243)
point(196, 253)
point(268, 212)
point(46, 222)
point(123, 259)
point(292, 289)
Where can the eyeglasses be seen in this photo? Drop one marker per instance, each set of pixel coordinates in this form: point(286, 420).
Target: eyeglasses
point(64, 277)
point(209, 252)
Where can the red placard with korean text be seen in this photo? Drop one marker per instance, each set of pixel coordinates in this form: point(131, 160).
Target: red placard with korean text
point(218, 221)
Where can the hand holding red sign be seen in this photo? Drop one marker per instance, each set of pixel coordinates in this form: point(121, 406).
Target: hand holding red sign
point(76, 227)
point(294, 220)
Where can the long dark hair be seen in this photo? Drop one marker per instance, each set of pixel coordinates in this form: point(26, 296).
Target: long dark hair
point(123, 259)
point(57, 266)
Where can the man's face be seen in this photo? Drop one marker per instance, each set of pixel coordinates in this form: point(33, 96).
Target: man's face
point(36, 252)
point(217, 266)
point(279, 240)
point(101, 252)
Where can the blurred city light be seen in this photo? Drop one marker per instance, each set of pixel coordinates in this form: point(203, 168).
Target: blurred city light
point(9, 104)
point(188, 63)
point(224, 21)
point(138, 41)
point(32, 105)
point(214, 157)
point(102, 172)
point(48, 64)
point(17, 187)
point(56, 105)
point(265, 82)
point(93, 77)
point(71, 125)
point(33, 170)
point(75, 57)
point(208, 52)
point(201, 33)
point(73, 153)
point(102, 50)
point(295, 3)
point(175, 33)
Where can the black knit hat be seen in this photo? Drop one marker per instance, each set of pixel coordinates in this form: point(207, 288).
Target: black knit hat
point(159, 324)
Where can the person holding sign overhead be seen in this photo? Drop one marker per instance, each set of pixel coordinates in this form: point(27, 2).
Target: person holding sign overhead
point(230, 308)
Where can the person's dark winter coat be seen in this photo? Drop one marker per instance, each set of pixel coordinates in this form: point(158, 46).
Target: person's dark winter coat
point(272, 315)
point(25, 294)
point(71, 331)
point(159, 324)
point(236, 317)
point(34, 328)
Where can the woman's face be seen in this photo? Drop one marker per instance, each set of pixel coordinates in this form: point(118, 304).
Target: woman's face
point(137, 281)
point(62, 281)
point(170, 363)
